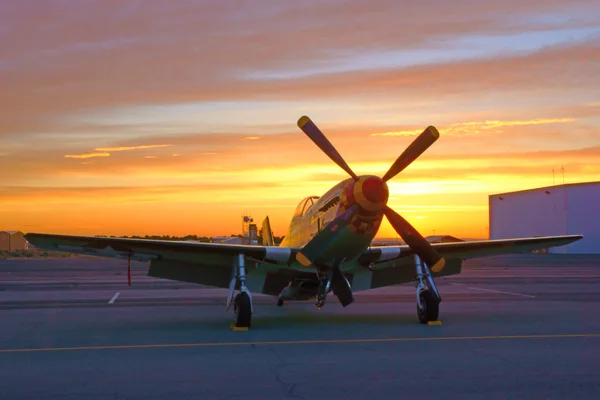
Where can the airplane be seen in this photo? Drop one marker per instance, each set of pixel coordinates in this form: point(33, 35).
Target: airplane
point(327, 247)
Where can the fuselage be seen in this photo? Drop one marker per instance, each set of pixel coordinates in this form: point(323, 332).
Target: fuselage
point(314, 213)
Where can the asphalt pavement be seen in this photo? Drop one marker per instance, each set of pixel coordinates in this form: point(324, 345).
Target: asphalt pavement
point(512, 327)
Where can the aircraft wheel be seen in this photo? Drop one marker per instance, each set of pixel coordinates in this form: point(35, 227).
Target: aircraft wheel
point(431, 307)
point(242, 310)
point(279, 302)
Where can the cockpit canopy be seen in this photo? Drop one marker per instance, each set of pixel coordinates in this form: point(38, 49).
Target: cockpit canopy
point(304, 205)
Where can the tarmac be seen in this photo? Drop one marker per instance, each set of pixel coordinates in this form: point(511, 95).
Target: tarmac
point(523, 326)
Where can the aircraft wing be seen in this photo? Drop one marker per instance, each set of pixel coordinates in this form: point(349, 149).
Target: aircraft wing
point(471, 249)
point(486, 248)
point(391, 265)
point(270, 268)
point(148, 250)
point(203, 263)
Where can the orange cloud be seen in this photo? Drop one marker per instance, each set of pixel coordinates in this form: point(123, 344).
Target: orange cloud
point(87, 155)
point(128, 148)
point(476, 127)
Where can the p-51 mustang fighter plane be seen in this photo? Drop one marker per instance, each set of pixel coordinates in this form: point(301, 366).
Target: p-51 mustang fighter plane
point(327, 248)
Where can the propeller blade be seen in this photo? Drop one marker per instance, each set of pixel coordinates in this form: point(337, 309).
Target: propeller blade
point(314, 133)
point(315, 247)
point(415, 241)
point(412, 152)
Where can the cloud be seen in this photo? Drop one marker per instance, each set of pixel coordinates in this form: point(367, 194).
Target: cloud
point(128, 148)
point(203, 77)
point(252, 138)
point(87, 155)
point(477, 127)
point(122, 56)
point(104, 151)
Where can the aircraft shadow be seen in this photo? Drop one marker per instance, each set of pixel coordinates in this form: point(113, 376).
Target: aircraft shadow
point(271, 322)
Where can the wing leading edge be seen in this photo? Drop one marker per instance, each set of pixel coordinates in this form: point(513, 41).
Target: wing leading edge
point(203, 263)
point(149, 250)
point(471, 249)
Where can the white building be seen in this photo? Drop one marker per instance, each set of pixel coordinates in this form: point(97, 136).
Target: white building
point(555, 210)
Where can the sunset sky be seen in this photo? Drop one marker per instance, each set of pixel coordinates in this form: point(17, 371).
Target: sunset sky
point(156, 117)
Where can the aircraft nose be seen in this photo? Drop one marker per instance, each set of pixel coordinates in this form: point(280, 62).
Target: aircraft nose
point(375, 190)
point(371, 193)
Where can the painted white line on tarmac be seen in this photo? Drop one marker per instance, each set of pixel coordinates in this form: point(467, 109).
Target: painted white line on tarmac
point(495, 291)
point(114, 298)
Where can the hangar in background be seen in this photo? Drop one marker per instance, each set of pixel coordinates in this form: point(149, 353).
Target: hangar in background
point(555, 210)
point(13, 241)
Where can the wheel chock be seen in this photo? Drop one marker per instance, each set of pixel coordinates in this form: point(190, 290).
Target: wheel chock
point(238, 328)
point(431, 323)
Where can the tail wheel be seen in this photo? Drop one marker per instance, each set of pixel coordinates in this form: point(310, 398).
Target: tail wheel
point(242, 310)
point(429, 309)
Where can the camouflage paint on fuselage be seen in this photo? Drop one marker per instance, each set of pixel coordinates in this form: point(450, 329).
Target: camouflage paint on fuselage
point(314, 213)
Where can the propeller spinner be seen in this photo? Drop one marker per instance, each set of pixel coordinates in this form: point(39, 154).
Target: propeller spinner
point(371, 192)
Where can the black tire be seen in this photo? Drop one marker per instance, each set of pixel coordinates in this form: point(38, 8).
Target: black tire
point(279, 302)
point(242, 310)
point(431, 309)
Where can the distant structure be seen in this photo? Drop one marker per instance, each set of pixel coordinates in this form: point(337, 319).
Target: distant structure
point(249, 230)
point(13, 241)
point(554, 210)
point(228, 240)
point(387, 242)
point(249, 234)
point(443, 239)
point(431, 239)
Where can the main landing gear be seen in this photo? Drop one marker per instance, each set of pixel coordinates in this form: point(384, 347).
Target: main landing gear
point(242, 303)
point(428, 297)
point(324, 286)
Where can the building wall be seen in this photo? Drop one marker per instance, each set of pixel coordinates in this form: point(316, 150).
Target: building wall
point(583, 205)
point(557, 210)
point(4, 241)
point(18, 242)
point(13, 242)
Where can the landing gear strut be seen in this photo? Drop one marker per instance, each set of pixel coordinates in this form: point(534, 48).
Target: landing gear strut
point(334, 281)
point(428, 297)
point(242, 303)
point(324, 285)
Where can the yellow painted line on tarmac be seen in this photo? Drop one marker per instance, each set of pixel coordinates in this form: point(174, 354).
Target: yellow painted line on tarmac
point(294, 342)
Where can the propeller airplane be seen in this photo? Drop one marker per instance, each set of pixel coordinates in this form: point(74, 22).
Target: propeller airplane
point(327, 247)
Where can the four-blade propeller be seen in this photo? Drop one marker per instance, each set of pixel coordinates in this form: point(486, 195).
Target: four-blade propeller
point(407, 232)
